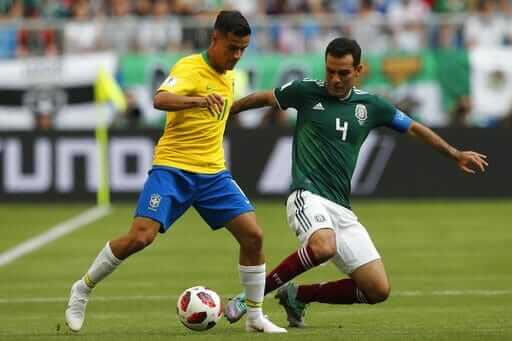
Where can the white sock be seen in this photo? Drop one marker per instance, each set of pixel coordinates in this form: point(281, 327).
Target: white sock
point(253, 280)
point(104, 264)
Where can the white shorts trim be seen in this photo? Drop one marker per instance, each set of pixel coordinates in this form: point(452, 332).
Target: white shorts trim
point(308, 213)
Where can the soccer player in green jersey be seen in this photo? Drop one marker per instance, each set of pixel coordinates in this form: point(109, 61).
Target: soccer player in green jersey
point(334, 118)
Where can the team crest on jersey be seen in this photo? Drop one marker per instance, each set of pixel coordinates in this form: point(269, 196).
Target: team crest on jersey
point(361, 113)
point(154, 202)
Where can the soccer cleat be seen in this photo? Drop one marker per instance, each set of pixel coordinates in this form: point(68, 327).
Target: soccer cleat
point(236, 308)
point(263, 325)
point(75, 313)
point(295, 310)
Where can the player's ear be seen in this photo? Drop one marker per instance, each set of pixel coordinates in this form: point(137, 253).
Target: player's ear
point(359, 69)
point(215, 36)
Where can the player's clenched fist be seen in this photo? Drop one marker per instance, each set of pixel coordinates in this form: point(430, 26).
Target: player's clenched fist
point(214, 103)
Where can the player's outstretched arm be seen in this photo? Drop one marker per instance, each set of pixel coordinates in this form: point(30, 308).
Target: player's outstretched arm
point(468, 161)
point(168, 101)
point(255, 100)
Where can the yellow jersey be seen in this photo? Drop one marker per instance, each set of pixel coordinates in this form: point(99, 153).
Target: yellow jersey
point(192, 138)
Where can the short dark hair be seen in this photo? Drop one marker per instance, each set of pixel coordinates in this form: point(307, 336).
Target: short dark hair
point(340, 47)
point(232, 22)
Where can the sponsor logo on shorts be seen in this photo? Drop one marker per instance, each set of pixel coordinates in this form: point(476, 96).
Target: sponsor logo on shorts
point(320, 218)
point(154, 202)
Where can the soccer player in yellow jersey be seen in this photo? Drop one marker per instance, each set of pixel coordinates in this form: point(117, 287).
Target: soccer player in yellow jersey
point(189, 170)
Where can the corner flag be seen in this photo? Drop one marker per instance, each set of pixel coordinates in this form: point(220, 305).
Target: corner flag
point(106, 89)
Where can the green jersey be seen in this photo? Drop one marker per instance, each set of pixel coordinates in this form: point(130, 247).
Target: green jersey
point(329, 134)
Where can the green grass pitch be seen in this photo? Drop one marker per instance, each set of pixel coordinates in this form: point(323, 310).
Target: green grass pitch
point(449, 264)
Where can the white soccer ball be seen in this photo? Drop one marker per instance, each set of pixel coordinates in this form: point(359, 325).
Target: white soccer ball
point(199, 308)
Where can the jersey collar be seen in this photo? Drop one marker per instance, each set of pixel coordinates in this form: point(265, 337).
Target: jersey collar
point(340, 99)
point(204, 54)
point(346, 97)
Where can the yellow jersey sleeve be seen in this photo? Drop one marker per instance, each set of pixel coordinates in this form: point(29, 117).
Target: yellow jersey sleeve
point(181, 81)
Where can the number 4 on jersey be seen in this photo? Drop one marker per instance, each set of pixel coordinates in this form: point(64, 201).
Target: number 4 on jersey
point(342, 128)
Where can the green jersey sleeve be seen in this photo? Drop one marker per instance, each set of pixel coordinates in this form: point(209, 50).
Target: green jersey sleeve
point(385, 112)
point(391, 117)
point(289, 95)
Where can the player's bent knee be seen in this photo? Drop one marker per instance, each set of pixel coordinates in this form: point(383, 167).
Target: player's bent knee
point(253, 240)
point(323, 251)
point(323, 244)
point(141, 240)
point(141, 236)
point(378, 294)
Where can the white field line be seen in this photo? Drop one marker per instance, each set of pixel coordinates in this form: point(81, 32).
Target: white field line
point(53, 233)
point(175, 297)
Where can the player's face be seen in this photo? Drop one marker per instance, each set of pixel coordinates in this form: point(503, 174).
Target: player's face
point(229, 49)
point(340, 74)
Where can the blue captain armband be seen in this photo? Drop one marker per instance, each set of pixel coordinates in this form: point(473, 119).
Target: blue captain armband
point(401, 122)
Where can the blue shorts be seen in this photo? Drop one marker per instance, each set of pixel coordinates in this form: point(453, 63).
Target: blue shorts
point(169, 192)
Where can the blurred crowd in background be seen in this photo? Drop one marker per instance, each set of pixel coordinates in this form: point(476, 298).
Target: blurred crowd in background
point(77, 27)
point(39, 27)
